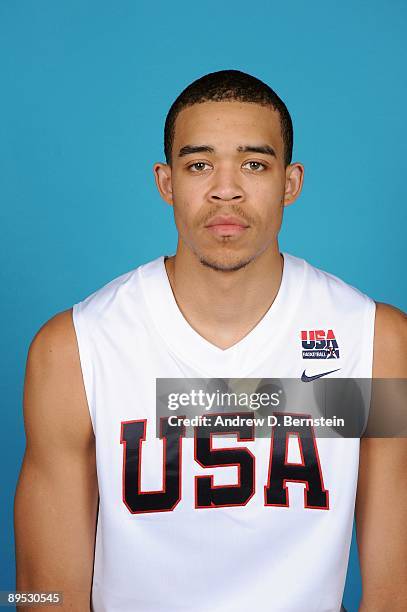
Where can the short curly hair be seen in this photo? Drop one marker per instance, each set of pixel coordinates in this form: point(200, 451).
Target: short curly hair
point(232, 85)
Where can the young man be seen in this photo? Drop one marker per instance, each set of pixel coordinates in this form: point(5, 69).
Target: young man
point(193, 525)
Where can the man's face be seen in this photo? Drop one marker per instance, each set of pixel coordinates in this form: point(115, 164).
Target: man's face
point(228, 161)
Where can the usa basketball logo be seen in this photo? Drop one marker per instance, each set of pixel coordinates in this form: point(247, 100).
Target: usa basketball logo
point(319, 344)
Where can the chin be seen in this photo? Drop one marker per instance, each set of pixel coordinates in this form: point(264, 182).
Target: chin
point(227, 262)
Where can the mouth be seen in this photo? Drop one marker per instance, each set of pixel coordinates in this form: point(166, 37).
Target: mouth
point(226, 226)
point(227, 230)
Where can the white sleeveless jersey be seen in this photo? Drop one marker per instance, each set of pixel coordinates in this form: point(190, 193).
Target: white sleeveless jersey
point(209, 545)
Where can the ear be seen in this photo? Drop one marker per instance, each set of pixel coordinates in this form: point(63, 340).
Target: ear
point(162, 175)
point(294, 176)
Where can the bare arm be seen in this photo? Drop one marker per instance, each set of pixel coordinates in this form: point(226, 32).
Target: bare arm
point(56, 499)
point(381, 505)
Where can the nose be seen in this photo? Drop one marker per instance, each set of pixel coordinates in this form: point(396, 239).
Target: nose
point(225, 186)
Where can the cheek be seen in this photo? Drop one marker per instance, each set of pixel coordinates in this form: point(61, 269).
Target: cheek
point(184, 210)
point(188, 202)
point(268, 198)
point(269, 187)
point(184, 197)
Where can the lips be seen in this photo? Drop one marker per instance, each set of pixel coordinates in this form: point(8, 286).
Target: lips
point(225, 221)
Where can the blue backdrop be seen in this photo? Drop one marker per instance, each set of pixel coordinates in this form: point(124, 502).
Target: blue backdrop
point(85, 87)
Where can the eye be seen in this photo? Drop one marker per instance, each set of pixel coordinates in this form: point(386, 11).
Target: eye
point(197, 166)
point(255, 165)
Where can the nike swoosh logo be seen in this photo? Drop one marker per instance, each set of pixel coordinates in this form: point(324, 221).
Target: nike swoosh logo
point(306, 378)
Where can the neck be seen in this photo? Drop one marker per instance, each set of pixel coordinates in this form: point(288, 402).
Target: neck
point(223, 307)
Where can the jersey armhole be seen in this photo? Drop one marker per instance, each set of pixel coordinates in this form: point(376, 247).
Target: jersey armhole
point(370, 318)
point(368, 342)
point(82, 338)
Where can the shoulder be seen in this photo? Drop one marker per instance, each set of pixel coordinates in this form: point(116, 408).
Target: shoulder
point(107, 294)
point(53, 389)
point(390, 342)
point(54, 342)
point(53, 357)
point(115, 294)
point(334, 293)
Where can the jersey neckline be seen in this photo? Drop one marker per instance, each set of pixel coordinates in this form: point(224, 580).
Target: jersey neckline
point(207, 358)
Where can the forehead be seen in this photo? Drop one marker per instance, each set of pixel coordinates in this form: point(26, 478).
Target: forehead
point(228, 123)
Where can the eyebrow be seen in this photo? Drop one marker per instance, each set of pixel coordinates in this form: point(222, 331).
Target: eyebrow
point(191, 149)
